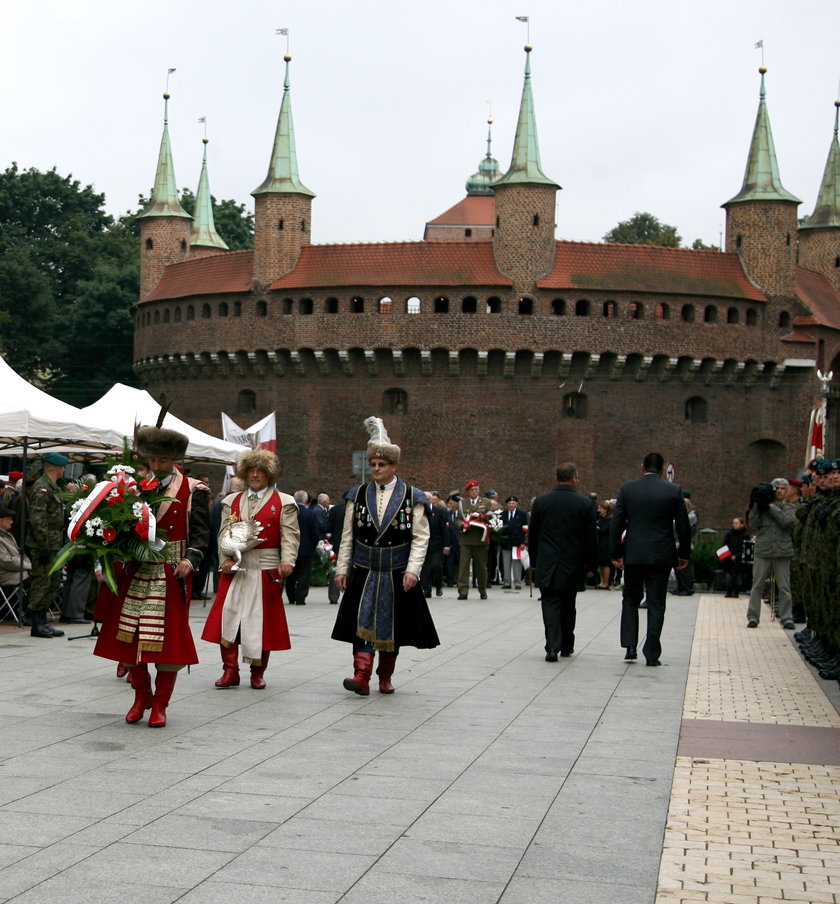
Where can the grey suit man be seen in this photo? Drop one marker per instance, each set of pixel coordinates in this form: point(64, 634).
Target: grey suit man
point(649, 509)
point(564, 547)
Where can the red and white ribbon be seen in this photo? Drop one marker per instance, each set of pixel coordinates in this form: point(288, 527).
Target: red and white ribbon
point(88, 507)
point(473, 521)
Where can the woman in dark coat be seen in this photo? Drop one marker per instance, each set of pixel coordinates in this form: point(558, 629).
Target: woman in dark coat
point(602, 526)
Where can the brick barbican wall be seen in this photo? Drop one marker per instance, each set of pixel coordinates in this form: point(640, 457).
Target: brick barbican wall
point(768, 234)
point(819, 250)
point(170, 242)
point(510, 432)
point(524, 249)
point(277, 249)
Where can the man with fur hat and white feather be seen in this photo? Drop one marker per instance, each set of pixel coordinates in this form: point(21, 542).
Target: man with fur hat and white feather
point(383, 545)
point(148, 620)
point(248, 609)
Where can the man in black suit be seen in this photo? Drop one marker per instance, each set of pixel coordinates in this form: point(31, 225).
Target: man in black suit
point(564, 548)
point(297, 583)
point(335, 524)
point(515, 523)
point(432, 572)
point(451, 543)
point(649, 509)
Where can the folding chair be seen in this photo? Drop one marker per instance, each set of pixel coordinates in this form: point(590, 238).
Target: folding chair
point(9, 595)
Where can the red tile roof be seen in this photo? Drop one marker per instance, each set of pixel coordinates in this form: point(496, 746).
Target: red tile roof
point(474, 210)
point(819, 296)
point(649, 268)
point(395, 264)
point(213, 274)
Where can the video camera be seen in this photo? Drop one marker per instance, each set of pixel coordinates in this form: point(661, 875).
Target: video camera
point(761, 495)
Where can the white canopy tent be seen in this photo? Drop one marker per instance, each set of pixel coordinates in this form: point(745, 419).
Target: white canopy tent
point(123, 406)
point(33, 421)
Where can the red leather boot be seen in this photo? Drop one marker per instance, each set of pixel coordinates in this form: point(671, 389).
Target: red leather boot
point(257, 672)
point(384, 670)
point(230, 665)
point(164, 684)
point(138, 675)
point(362, 669)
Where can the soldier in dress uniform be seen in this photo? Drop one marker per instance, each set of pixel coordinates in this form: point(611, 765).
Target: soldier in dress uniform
point(44, 538)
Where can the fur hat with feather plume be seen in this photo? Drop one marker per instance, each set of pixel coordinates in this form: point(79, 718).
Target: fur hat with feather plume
point(380, 445)
point(159, 441)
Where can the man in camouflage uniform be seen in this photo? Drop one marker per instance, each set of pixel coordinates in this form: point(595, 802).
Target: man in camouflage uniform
point(44, 538)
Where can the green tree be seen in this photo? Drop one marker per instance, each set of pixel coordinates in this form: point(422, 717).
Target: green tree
point(644, 229)
point(700, 245)
point(58, 249)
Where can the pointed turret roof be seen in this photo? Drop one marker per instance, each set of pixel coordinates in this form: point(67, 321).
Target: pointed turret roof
point(282, 175)
point(525, 163)
point(203, 233)
point(761, 178)
point(164, 201)
point(827, 211)
point(481, 183)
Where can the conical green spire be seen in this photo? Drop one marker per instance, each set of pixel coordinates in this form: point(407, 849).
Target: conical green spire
point(481, 183)
point(761, 179)
point(203, 233)
point(164, 201)
point(282, 175)
point(525, 163)
point(827, 211)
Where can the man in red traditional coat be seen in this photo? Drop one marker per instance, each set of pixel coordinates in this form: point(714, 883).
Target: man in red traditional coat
point(258, 546)
point(148, 619)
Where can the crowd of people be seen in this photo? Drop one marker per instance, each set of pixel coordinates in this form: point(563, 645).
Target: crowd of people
point(393, 546)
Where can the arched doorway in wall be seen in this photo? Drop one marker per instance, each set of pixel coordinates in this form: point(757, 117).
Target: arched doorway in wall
point(765, 459)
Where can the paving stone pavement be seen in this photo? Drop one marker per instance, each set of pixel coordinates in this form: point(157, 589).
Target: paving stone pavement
point(490, 775)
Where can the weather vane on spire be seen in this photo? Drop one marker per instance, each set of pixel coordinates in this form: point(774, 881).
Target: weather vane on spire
point(168, 73)
point(203, 121)
point(527, 21)
point(285, 33)
point(759, 45)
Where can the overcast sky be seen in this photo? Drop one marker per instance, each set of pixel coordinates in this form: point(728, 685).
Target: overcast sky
point(640, 105)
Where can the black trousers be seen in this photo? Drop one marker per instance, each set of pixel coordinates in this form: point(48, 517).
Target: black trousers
point(297, 583)
point(559, 617)
point(640, 582)
point(431, 574)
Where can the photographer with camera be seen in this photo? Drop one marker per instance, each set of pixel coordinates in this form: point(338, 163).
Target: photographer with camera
point(772, 519)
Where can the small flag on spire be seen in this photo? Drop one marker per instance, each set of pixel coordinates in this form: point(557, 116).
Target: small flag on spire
point(522, 18)
point(282, 31)
point(169, 71)
point(759, 44)
point(202, 119)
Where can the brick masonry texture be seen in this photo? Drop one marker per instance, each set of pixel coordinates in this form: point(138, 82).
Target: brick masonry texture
point(494, 381)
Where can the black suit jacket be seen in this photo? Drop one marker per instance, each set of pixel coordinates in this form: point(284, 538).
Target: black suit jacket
point(650, 509)
point(562, 538)
point(335, 524)
point(515, 534)
point(309, 533)
point(438, 534)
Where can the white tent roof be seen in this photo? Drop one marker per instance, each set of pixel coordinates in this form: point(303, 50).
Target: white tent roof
point(28, 413)
point(123, 406)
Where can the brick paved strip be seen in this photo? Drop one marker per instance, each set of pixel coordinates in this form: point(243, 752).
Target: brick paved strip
point(739, 674)
point(742, 831)
point(776, 743)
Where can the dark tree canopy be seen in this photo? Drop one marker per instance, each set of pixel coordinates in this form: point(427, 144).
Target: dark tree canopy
point(69, 276)
point(58, 250)
point(644, 229)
